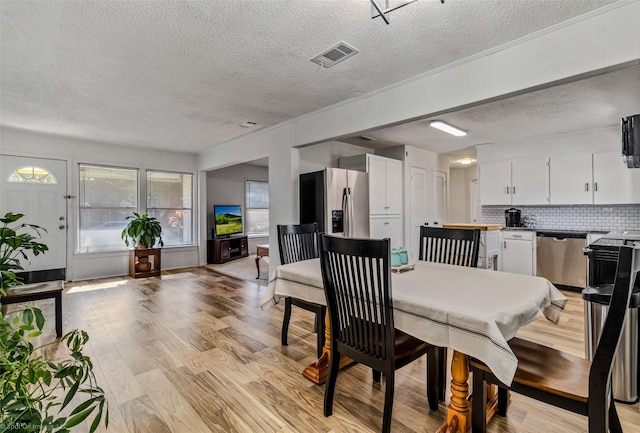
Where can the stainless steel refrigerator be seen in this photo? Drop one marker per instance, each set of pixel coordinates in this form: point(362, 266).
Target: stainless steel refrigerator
point(338, 200)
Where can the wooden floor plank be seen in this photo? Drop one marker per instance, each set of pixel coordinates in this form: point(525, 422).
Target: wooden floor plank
point(177, 414)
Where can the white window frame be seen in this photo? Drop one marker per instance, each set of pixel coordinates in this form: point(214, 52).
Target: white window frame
point(122, 247)
point(247, 208)
point(191, 209)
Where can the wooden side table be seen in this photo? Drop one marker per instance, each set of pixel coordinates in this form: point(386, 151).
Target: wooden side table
point(261, 251)
point(138, 256)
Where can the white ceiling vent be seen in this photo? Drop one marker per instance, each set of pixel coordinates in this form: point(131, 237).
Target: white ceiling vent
point(335, 54)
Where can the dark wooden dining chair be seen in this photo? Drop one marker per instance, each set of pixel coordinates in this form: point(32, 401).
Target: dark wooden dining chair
point(298, 242)
point(450, 246)
point(356, 274)
point(561, 379)
point(453, 247)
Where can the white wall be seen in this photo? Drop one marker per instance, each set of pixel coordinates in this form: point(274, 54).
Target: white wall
point(318, 156)
point(460, 193)
point(595, 140)
point(74, 152)
point(458, 197)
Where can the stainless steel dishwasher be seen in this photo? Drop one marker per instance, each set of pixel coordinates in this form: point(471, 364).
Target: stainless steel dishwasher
point(560, 258)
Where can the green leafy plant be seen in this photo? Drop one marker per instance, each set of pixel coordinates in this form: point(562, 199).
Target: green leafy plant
point(15, 241)
point(31, 385)
point(143, 231)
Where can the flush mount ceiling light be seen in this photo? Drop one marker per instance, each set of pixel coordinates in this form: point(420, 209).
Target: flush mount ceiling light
point(248, 124)
point(438, 124)
point(377, 11)
point(465, 161)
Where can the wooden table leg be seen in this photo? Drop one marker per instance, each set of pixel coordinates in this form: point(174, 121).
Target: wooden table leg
point(318, 371)
point(258, 265)
point(459, 411)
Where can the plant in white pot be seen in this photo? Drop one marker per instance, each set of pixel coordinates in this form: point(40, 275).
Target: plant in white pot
point(39, 394)
point(142, 231)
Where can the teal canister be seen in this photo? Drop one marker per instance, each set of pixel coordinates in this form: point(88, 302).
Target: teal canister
point(404, 256)
point(395, 257)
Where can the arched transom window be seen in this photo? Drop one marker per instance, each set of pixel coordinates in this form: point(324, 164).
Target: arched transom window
point(32, 175)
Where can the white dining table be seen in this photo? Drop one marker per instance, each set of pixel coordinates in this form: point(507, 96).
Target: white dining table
point(472, 311)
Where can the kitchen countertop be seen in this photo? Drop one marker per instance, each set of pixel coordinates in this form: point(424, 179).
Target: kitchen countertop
point(480, 226)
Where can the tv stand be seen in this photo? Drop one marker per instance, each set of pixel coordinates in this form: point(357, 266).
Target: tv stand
point(221, 250)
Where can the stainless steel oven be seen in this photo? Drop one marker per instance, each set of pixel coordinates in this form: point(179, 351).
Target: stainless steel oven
point(560, 258)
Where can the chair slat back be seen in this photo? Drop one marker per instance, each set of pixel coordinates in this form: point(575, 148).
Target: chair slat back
point(450, 246)
point(357, 283)
point(298, 242)
point(626, 271)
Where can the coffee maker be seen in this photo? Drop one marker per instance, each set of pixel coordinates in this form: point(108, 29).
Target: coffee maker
point(512, 217)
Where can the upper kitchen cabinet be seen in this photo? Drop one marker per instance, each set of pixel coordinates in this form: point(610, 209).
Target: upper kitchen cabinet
point(517, 182)
point(613, 182)
point(385, 185)
point(570, 179)
point(598, 178)
point(385, 181)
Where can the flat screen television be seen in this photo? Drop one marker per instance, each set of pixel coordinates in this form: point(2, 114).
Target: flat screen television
point(228, 220)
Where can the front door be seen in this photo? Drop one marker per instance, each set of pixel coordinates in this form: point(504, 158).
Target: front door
point(37, 188)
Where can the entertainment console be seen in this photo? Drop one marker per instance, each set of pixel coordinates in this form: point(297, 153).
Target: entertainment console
point(222, 250)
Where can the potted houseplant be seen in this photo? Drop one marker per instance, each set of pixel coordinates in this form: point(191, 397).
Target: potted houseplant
point(142, 231)
point(36, 393)
point(15, 241)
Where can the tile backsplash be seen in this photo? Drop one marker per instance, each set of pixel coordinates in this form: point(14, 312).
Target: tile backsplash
point(574, 217)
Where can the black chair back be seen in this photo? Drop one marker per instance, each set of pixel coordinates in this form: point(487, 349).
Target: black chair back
point(298, 242)
point(612, 330)
point(357, 282)
point(450, 246)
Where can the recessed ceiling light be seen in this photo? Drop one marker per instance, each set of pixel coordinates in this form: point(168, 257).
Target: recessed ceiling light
point(248, 124)
point(448, 128)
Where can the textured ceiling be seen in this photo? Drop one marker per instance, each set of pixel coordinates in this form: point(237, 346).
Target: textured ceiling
point(591, 103)
point(183, 75)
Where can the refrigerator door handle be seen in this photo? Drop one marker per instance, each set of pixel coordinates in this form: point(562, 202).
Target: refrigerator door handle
point(345, 211)
point(350, 217)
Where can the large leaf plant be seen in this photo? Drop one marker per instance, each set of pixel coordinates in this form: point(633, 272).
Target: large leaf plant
point(38, 394)
point(143, 231)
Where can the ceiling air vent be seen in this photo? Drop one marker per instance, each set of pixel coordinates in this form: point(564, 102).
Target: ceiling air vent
point(335, 54)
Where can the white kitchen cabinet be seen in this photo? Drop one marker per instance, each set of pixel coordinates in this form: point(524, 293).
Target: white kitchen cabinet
point(570, 179)
point(385, 185)
point(517, 252)
point(530, 181)
point(517, 182)
point(598, 178)
point(613, 182)
point(381, 227)
point(495, 183)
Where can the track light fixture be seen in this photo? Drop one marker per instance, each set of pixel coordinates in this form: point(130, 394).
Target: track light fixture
point(383, 13)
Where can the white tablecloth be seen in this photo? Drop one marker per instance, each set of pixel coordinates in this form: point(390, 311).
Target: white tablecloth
point(474, 311)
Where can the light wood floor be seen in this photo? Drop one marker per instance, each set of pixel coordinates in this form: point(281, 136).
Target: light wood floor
point(193, 352)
